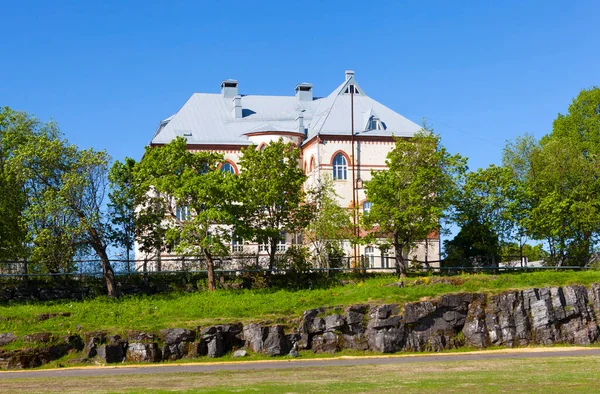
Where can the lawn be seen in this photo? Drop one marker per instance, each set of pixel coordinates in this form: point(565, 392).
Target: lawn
point(190, 310)
point(543, 375)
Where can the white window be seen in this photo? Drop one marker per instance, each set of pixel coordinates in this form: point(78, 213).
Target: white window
point(385, 259)
point(182, 212)
point(340, 167)
point(375, 124)
point(370, 256)
point(297, 239)
point(263, 248)
point(237, 244)
point(228, 167)
point(367, 206)
point(281, 243)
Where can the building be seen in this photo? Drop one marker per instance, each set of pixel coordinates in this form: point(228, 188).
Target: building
point(322, 127)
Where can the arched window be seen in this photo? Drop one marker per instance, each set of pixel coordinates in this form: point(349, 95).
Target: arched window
point(311, 167)
point(340, 167)
point(228, 167)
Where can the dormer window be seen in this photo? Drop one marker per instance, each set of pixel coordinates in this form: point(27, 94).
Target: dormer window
point(352, 89)
point(375, 124)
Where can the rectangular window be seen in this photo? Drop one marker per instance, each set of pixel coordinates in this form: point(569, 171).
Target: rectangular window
point(182, 212)
point(367, 206)
point(237, 244)
point(281, 243)
point(370, 256)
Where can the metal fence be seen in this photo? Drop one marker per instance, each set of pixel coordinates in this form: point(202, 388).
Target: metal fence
point(240, 264)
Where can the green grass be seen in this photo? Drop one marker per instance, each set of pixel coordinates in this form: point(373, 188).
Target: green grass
point(531, 375)
point(190, 310)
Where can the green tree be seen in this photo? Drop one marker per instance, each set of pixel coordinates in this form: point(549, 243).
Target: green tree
point(330, 223)
point(510, 252)
point(65, 189)
point(121, 206)
point(13, 230)
point(411, 197)
point(482, 208)
point(475, 245)
point(565, 182)
point(271, 194)
point(517, 157)
point(196, 199)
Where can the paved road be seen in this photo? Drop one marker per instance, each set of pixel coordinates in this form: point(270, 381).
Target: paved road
point(284, 364)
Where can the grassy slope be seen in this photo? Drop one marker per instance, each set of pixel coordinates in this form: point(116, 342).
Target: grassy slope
point(544, 375)
point(199, 309)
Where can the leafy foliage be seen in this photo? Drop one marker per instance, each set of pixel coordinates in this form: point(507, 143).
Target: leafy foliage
point(412, 197)
point(13, 230)
point(64, 188)
point(330, 223)
point(121, 207)
point(196, 199)
point(270, 195)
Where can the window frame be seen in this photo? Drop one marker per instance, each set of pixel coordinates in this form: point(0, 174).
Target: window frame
point(370, 256)
point(339, 168)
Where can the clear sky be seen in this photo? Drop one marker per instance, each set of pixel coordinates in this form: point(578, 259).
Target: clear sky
point(480, 72)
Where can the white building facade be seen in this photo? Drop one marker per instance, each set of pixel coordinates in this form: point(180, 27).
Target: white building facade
point(326, 129)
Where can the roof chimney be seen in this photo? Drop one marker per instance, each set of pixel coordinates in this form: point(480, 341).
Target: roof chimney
point(229, 88)
point(237, 107)
point(300, 119)
point(349, 74)
point(304, 91)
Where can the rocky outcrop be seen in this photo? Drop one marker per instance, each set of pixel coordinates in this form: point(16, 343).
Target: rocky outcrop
point(544, 316)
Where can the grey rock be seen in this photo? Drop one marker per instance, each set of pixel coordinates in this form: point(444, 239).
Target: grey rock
point(39, 337)
point(307, 325)
point(110, 353)
point(334, 322)
point(141, 336)
point(327, 342)
point(386, 340)
point(293, 353)
point(173, 336)
point(255, 335)
point(355, 341)
point(7, 338)
point(475, 330)
point(214, 344)
point(239, 353)
point(383, 316)
point(318, 325)
point(91, 340)
point(275, 344)
point(143, 352)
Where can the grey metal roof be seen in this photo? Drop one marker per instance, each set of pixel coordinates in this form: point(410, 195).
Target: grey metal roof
point(208, 119)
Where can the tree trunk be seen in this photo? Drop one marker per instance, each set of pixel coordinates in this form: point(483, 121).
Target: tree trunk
point(400, 264)
point(210, 266)
point(272, 251)
point(107, 270)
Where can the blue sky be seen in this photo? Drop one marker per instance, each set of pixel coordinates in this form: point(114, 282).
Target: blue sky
point(479, 72)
